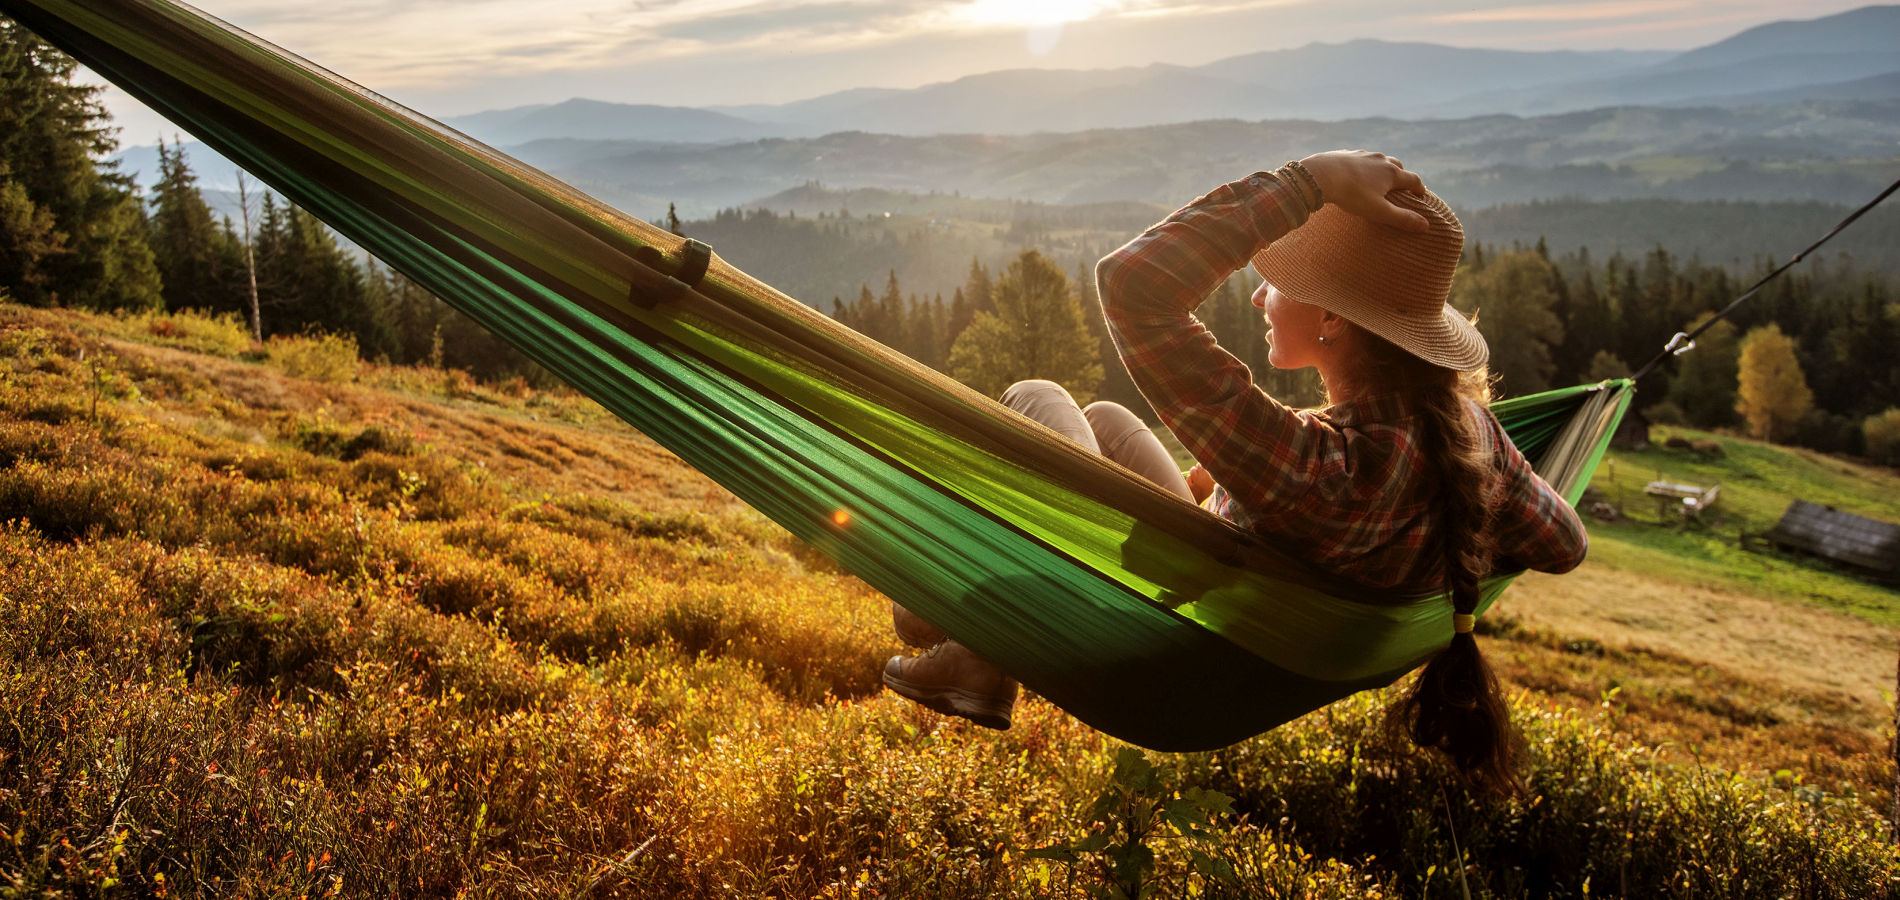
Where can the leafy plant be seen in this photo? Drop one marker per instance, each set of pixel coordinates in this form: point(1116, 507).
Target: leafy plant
point(1141, 805)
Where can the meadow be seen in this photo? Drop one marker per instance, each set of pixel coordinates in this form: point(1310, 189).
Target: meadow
point(276, 622)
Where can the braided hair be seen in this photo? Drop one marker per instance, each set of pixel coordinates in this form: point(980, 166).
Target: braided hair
point(1454, 705)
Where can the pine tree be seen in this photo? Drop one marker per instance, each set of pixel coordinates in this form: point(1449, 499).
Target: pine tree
point(890, 326)
point(1772, 395)
point(193, 254)
point(930, 320)
point(961, 312)
point(976, 290)
point(30, 242)
point(1589, 327)
point(1035, 330)
point(330, 289)
point(52, 136)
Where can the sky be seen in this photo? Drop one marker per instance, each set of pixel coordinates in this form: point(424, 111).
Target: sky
point(451, 58)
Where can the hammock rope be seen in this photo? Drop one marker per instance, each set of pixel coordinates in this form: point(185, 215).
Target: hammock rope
point(1684, 341)
point(1140, 614)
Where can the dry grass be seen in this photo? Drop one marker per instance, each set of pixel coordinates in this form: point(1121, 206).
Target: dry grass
point(1801, 650)
point(410, 635)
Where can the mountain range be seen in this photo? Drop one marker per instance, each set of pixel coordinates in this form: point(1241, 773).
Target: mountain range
point(1853, 55)
point(1793, 111)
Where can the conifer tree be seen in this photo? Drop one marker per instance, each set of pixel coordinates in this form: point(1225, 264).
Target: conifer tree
point(52, 138)
point(1772, 395)
point(961, 313)
point(1035, 330)
point(330, 289)
point(30, 242)
point(1588, 324)
point(193, 254)
point(932, 321)
point(976, 291)
point(889, 329)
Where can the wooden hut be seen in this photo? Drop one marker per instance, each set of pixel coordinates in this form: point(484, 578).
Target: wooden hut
point(1866, 544)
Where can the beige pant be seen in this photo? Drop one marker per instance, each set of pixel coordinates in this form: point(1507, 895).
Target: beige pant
point(1107, 428)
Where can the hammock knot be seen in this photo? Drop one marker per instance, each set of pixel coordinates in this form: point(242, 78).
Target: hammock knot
point(695, 257)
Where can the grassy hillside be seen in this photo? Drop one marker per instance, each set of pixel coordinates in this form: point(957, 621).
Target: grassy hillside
point(277, 623)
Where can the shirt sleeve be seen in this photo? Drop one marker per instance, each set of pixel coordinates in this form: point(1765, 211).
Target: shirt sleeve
point(1259, 451)
point(1534, 528)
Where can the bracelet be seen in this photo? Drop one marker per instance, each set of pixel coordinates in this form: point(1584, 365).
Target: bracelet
point(1294, 166)
point(1286, 177)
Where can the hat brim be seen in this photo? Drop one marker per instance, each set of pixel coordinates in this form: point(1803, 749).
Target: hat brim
point(1391, 282)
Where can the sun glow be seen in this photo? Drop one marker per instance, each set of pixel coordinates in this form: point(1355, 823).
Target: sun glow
point(1016, 13)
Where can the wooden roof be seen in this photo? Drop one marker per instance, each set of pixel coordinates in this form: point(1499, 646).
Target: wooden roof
point(1839, 536)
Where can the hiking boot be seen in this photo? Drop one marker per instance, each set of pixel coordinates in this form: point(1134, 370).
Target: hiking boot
point(951, 680)
point(912, 629)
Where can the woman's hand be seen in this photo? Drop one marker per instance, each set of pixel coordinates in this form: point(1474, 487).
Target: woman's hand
point(1358, 182)
point(1199, 482)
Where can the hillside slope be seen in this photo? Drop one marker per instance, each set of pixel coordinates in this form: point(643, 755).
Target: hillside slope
point(278, 622)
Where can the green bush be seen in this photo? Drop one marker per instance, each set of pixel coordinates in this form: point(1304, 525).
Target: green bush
point(1883, 436)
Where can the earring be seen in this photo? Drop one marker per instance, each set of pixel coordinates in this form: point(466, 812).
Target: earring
point(1322, 339)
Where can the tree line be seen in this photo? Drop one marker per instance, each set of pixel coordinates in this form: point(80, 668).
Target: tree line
point(1809, 361)
point(75, 231)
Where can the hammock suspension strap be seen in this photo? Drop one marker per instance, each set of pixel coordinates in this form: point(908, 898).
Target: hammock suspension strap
point(1684, 341)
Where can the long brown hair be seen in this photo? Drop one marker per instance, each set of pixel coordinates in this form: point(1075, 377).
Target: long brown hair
point(1454, 705)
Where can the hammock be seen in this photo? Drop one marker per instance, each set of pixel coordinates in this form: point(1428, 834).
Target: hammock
point(1140, 614)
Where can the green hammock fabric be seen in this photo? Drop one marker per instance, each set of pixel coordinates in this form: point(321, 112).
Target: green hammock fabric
point(1140, 614)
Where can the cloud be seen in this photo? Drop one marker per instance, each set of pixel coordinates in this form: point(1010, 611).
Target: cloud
point(782, 21)
point(1561, 12)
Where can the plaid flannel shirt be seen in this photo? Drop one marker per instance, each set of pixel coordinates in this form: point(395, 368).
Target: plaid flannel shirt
point(1343, 487)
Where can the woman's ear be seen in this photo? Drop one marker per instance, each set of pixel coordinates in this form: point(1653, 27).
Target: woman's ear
point(1333, 327)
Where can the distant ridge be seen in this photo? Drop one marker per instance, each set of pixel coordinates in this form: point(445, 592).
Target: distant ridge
point(599, 120)
point(1869, 29)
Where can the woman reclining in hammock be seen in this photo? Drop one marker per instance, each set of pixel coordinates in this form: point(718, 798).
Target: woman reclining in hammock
point(1404, 481)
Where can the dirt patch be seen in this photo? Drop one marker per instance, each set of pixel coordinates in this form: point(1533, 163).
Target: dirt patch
point(1807, 650)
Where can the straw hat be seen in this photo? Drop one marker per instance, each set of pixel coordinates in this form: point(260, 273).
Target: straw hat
point(1389, 281)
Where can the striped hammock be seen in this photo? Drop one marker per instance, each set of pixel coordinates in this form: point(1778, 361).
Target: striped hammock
point(1140, 614)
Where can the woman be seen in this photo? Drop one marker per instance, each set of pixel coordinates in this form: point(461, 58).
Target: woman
point(1404, 481)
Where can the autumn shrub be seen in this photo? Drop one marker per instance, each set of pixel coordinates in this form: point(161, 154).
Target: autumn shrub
point(424, 486)
point(218, 334)
point(317, 356)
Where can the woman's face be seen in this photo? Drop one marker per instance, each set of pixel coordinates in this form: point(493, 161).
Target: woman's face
point(1293, 328)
